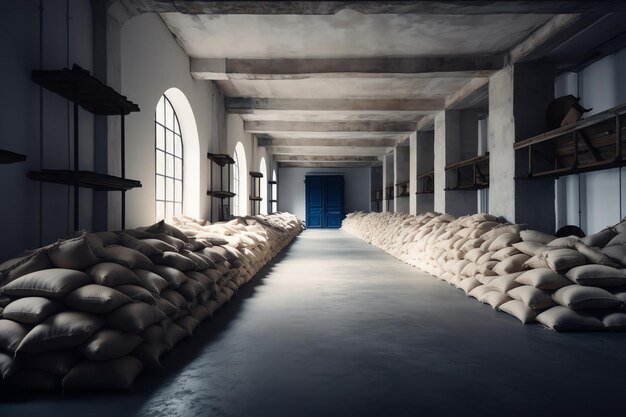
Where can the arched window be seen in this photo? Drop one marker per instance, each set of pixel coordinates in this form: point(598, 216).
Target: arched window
point(263, 170)
point(236, 190)
point(169, 161)
point(240, 184)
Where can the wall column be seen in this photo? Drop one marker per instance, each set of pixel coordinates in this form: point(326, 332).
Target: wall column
point(518, 97)
point(413, 173)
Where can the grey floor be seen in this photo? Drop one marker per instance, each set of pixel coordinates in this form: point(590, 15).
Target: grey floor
point(335, 327)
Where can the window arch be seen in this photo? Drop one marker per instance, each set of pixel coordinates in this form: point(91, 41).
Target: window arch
point(263, 170)
point(169, 161)
point(240, 185)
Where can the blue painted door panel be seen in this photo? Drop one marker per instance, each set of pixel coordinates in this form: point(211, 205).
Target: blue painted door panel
point(324, 201)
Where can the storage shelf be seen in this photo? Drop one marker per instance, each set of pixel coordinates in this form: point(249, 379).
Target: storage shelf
point(220, 159)
point(471, 174)
point(78, 85)
point(592, 144)
point(426, 183)
point(273, 201)
point(255, 198)
point(88, 179)
point(220, 194)
point(255, 174)
point(272, 182)
point(8, 157)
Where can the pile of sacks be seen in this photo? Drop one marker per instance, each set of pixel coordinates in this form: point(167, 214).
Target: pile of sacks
point(566, 284)
point(92, 312)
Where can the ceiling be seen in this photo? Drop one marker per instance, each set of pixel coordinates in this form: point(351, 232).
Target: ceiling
point(339, 83)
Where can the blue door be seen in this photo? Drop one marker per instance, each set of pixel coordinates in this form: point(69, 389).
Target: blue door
point(324, 201)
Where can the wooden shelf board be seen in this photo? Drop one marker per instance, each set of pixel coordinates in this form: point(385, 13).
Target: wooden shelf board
point(8, 157)
point(87, 91)
point(272, 182)
point(87, 179)
point(255, 198)
point(468, 162)
point(255, 174)
point(220, 194)
point(220, 158)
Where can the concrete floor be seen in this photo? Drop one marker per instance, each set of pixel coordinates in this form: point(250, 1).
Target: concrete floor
point(335, 327)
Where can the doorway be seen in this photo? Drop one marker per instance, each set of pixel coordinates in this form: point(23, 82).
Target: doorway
point(324, 201)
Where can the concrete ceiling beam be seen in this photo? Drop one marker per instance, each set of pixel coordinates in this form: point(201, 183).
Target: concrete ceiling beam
point(324, 158)
point(327, 164)
point(551, 35)
point(458, 7)
point(249, 105)
point(330, 127)
point(329, 150)
point(475, 90)
point(285, 69)
point(274, 142)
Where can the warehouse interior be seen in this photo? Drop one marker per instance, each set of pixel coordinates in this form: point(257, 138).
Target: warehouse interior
point(251, 115)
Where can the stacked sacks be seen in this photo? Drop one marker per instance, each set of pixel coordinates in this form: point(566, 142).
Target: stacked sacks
point(92, 312)
point(564, 284)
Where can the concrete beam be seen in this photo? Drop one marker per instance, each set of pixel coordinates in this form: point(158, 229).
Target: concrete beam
point(330, 150)
point(475, 90)
point(274, 142)
point(248, 105)
point(329, 127)
point(550, 36)
point(284, 69)
point(457, 7)
point(426, 123)
point(325, 158)
point(327, 164)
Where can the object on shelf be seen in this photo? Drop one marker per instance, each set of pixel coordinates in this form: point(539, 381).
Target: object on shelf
point(563, 111)
point(426, 183)
point(8, 157)
point(224, 194)
point(86, 91)
point(591, 144)
point(470, 174)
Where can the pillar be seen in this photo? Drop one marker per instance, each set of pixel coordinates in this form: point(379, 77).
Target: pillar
point(518, 97)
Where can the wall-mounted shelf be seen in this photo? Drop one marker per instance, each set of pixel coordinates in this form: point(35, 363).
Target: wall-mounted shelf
point(402, 189)
point(86, 91)
point(8, 157)
point(471, 174)
point(426, 183)
point(591, 144)
point(85, 179)
point(255, 198)
point(224, 194)
point(272, 189)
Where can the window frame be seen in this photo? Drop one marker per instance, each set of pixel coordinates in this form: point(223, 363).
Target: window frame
point(173, 127)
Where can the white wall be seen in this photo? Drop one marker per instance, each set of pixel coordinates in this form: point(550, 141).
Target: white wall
point(33, 219)
point(291, 188)
point(152, 62)
point(601, 85)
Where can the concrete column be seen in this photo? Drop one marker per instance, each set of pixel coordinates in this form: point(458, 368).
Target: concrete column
point(413, 173)
point(455, 140)
point(401, 174)
point(518, 97)
point(425, 163)
point(387, 181)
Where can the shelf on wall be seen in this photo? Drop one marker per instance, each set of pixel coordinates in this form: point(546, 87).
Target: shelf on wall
point(402, 189)
point(272, 182)
point(220, 159)
point(592, 144)
point(426, 183)
point(87, 179)
point(221, 194)
point(8, 157)
point(255, 174)
point(471, 174)
point(252, 198)
point(87, 91)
